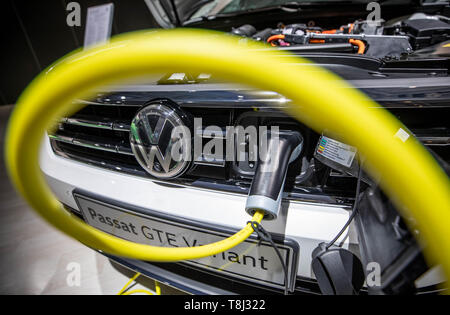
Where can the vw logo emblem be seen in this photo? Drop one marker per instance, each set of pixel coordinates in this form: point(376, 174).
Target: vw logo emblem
point(158, 141)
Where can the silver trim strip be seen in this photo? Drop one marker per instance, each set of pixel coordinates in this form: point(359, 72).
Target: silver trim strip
point(360, 83)
point(112, 125)
point(92, 144)
point(209, 161)
point(434, 141)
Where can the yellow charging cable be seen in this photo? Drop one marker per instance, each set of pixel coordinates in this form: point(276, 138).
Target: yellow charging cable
point(124, 291)
point(409, 174)
point(138, 291)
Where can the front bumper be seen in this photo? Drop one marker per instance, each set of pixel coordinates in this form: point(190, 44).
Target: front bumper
point(304, 222)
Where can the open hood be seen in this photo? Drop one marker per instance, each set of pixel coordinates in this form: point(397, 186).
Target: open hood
point(172, 13)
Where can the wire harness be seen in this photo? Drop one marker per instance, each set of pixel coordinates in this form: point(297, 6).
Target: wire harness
point(265, 236)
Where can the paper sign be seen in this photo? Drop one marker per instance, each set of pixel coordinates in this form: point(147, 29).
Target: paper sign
point(98, 24)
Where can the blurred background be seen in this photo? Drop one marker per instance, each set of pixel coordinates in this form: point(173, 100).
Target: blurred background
point(34, 34)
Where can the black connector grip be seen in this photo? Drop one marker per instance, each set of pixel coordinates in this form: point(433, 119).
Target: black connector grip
point(268, 183)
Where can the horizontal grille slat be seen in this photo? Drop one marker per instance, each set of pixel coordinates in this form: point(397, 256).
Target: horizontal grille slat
point(97, 143)
point(433, 136)
point(95, 122)
point(435, 141)
point(109, 160)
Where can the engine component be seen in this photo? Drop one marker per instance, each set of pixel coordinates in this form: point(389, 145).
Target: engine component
point(295, 29)
point(263, 35)
point(426, 32)
point(377, 39)
point(378, 46)
point(362, 27)
point(245, 30)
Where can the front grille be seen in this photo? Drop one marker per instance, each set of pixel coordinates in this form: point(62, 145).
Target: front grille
point(98, 135)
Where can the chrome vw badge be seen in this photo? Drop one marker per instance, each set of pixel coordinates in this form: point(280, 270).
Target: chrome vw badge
point(161, 141)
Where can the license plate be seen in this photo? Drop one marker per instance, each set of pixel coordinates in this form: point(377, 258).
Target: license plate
point(246, 261)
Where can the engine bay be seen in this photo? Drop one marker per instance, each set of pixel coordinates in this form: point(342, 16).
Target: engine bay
point(387, 40)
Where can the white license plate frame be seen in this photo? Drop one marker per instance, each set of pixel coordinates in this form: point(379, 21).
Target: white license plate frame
point(228, 264)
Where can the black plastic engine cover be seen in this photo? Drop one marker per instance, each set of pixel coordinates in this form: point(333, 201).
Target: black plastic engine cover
point(426, 32)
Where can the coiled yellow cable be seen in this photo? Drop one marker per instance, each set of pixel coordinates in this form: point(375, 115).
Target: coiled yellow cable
point(409, 175)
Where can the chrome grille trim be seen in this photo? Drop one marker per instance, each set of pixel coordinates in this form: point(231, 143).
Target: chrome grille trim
point(210, 161)
point(116, 148)
point(435, 141)
point(108, 125)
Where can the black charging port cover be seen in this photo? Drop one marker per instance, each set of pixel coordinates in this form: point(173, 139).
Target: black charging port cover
point(338, 271)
